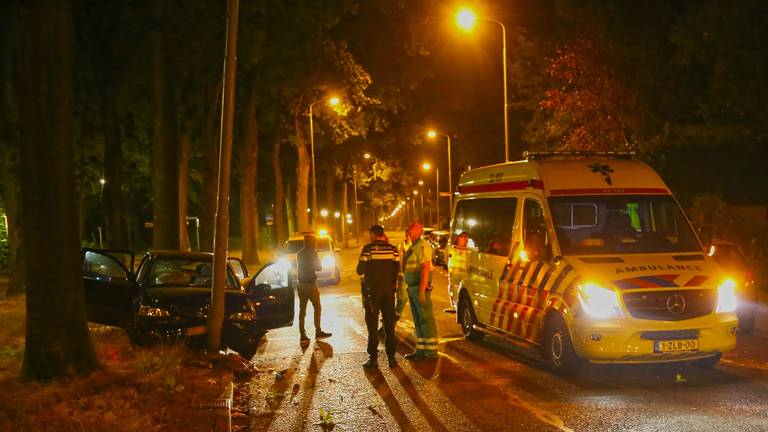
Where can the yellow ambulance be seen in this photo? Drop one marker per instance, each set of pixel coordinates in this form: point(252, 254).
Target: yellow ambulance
point(589, 257)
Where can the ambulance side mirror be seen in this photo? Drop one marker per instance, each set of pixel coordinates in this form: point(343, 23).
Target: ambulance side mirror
point(706, 237)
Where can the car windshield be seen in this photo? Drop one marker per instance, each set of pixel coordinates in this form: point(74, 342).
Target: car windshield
point(179, 272)
point(294, 246)
point(587, 225)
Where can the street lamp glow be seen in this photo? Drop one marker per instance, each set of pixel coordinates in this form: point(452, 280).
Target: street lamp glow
point(366, 156)
point(431, 134)
point(426, 166)
point(102, 181)
point(466, 19)
point(324, 213)
point(334, 101)
point(421, 182)
point(337, 214)
point(415, 192)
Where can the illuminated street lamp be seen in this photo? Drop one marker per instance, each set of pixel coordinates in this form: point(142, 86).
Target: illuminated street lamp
point(421, 182)
point(332, 101)
point(432, 134)
point(366, 156)
point(466, 19)
point(324, 213)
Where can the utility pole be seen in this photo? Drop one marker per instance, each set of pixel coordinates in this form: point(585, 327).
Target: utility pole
point(221, 230)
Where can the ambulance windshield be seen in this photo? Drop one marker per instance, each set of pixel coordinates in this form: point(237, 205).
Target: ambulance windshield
point(594, 225)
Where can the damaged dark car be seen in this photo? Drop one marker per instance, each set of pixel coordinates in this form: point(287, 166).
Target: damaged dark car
point(169, 295)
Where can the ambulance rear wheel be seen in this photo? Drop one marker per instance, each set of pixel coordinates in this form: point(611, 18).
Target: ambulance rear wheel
point(558, 347)
point(468, 320)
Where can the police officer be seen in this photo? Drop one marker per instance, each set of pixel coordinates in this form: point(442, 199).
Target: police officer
point(417, 274)
point(379, 265)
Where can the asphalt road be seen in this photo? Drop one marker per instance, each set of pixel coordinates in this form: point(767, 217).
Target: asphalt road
point(489, 385)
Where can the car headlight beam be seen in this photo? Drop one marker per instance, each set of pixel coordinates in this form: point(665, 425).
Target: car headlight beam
point(328, 261)
point(599, 302)
point(726, 296)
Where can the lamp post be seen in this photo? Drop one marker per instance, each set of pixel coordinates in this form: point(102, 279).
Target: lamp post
point(466, 19)
point(432, 134)
point(332, 101)
point(426, 166)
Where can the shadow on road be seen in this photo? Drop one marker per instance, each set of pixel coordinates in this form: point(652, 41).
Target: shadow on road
point(376, 378)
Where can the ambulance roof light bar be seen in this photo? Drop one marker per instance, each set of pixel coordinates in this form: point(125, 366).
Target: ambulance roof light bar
point(578, 154)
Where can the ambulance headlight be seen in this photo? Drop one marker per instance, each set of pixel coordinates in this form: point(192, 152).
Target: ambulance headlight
point(726, 296)
point(328, 261)
point(599, 302)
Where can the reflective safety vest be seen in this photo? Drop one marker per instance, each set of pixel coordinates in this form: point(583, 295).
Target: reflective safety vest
point(416, 255)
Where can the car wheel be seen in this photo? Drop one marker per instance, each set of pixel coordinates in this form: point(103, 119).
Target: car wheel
point(747, 322)
point(468, 320)
point(708, 362)
point(558, 347)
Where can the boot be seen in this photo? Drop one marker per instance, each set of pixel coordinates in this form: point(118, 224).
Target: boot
point(322, 335)
point(392, 362)
point(372, 363)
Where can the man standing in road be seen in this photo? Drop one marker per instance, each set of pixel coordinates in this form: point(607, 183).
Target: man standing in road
point(308, 264)
point(379, 265)
point(417, 274)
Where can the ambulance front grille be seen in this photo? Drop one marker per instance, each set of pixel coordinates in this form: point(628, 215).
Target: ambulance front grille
point(674, 305)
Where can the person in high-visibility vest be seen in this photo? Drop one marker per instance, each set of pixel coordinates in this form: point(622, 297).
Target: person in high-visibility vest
point(417, 274)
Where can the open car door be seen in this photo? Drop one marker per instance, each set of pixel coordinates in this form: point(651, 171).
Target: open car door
point(110, 286)
point(271, 293)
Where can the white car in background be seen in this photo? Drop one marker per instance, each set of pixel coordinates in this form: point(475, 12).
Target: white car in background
point(326, 249)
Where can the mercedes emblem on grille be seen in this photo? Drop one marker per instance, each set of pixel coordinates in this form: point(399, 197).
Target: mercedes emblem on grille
point(676, 303)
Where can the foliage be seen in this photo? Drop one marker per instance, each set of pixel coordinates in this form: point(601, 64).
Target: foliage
point(586, 107)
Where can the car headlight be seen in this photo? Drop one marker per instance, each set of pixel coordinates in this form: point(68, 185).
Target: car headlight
point(242, 316)
point(154, 312)
point(599, 302)
point(726, 296)
point(328, 261)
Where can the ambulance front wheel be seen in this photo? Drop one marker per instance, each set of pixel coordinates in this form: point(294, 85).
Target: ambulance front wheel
point(558, 347)
point(468, 320)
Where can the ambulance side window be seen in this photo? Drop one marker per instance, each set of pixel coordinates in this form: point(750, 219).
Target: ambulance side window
point(535, 237)
point(489, 223)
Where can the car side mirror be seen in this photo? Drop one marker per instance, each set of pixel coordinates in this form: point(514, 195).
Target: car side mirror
point(706, 236)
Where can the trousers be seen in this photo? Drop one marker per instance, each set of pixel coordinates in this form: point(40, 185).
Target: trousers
point(380, 301)
point(308, 292)
point(424, 321)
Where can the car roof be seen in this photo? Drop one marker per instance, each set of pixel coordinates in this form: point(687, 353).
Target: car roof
point(181, 254)
point(301, 237)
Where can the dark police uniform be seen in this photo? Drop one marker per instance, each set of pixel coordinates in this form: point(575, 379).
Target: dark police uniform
point(379, 265)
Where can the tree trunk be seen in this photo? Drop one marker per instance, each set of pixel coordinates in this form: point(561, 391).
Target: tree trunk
point(302, 172)
point(185, 154)
point(210, 166)
point(10, 192)
point(330, 178)
point(57, 342)
point(249, 158)
point(165, 151)
point(279, 221)
point(344, 213)
point(113, 166)
point(290, 210)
